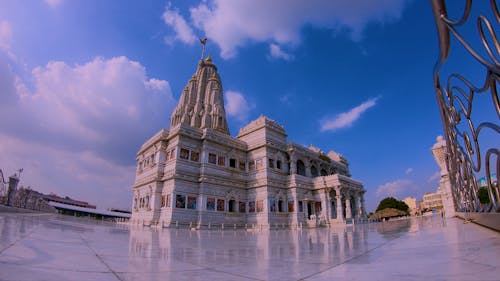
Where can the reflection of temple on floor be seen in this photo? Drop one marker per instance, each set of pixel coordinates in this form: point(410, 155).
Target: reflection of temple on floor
point(174, 249)
point(197, 175)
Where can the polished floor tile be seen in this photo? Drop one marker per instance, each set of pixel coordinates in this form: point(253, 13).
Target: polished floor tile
point(47, 247)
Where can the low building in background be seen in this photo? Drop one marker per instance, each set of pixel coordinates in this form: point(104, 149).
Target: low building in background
point(78, 211)
point(68, 201)
point(17, 199)
point(432, 201)
point(23, 197)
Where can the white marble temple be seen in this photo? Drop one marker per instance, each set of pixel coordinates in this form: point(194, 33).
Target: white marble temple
point(197, 174)
point(49, 247)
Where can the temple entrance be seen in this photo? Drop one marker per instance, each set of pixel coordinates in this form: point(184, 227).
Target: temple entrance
point(309, 209)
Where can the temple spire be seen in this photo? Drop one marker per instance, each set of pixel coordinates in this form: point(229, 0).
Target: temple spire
point(201, 104)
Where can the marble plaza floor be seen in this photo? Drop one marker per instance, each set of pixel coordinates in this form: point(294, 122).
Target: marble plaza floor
point(48, 247)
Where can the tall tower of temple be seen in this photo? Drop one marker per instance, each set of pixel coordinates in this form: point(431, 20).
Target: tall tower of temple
point(201, 104)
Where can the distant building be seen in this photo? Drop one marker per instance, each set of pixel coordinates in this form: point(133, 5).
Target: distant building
point(78, 211)
point(68, 201)
point(27, 198)
point(482, 182)
point(412, 204)
point(68, 206)
point(420, 206)
point(432, 201)
point(120, 211)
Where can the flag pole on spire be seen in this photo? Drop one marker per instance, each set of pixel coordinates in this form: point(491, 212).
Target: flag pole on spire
point(203, 43)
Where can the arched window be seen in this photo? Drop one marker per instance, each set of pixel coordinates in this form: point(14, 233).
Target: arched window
point(281, 206)
point(301, 168)
point(314, 171)
point(323, 172)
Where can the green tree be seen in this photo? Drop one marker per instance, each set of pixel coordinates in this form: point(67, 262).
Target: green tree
point(391, 202)
point(483, 196)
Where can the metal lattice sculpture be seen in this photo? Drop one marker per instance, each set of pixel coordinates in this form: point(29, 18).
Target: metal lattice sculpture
point(467, 156)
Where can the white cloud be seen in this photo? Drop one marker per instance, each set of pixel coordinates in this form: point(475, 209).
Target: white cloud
point(409, 171)
point(232, 24)
point(346, 119)
point(5, 35)
point(155, 84)
point(237, 106)
point(84, 102)
point(393, 188)
point(183, 31)
point(435, 176)
point(54, 3)
point(276, 52)
point(76, 129)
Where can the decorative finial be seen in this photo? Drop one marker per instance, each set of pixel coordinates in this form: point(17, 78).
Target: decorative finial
point(203, 43)
point(208, 59)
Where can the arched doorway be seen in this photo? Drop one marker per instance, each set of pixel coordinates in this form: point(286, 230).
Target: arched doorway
point(301, 168)
point(314, 171)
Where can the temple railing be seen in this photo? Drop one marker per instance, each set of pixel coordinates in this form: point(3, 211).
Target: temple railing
point(472, 142)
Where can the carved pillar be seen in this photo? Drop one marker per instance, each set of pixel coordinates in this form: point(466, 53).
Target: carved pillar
point(307, 164)
point(348, 213)
point(325, 205)
point(293, 163)
point(356, 206)
point(155, 201)
point(284, 166)
point(328, 204)
point(362, 199)
point(338, 196)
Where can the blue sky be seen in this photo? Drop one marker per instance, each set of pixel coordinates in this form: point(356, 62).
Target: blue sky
point(84, 83)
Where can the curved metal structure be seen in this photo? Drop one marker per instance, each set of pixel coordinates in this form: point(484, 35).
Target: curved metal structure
point(472, 144)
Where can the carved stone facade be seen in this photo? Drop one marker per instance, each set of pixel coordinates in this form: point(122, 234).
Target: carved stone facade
point(197, 174)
